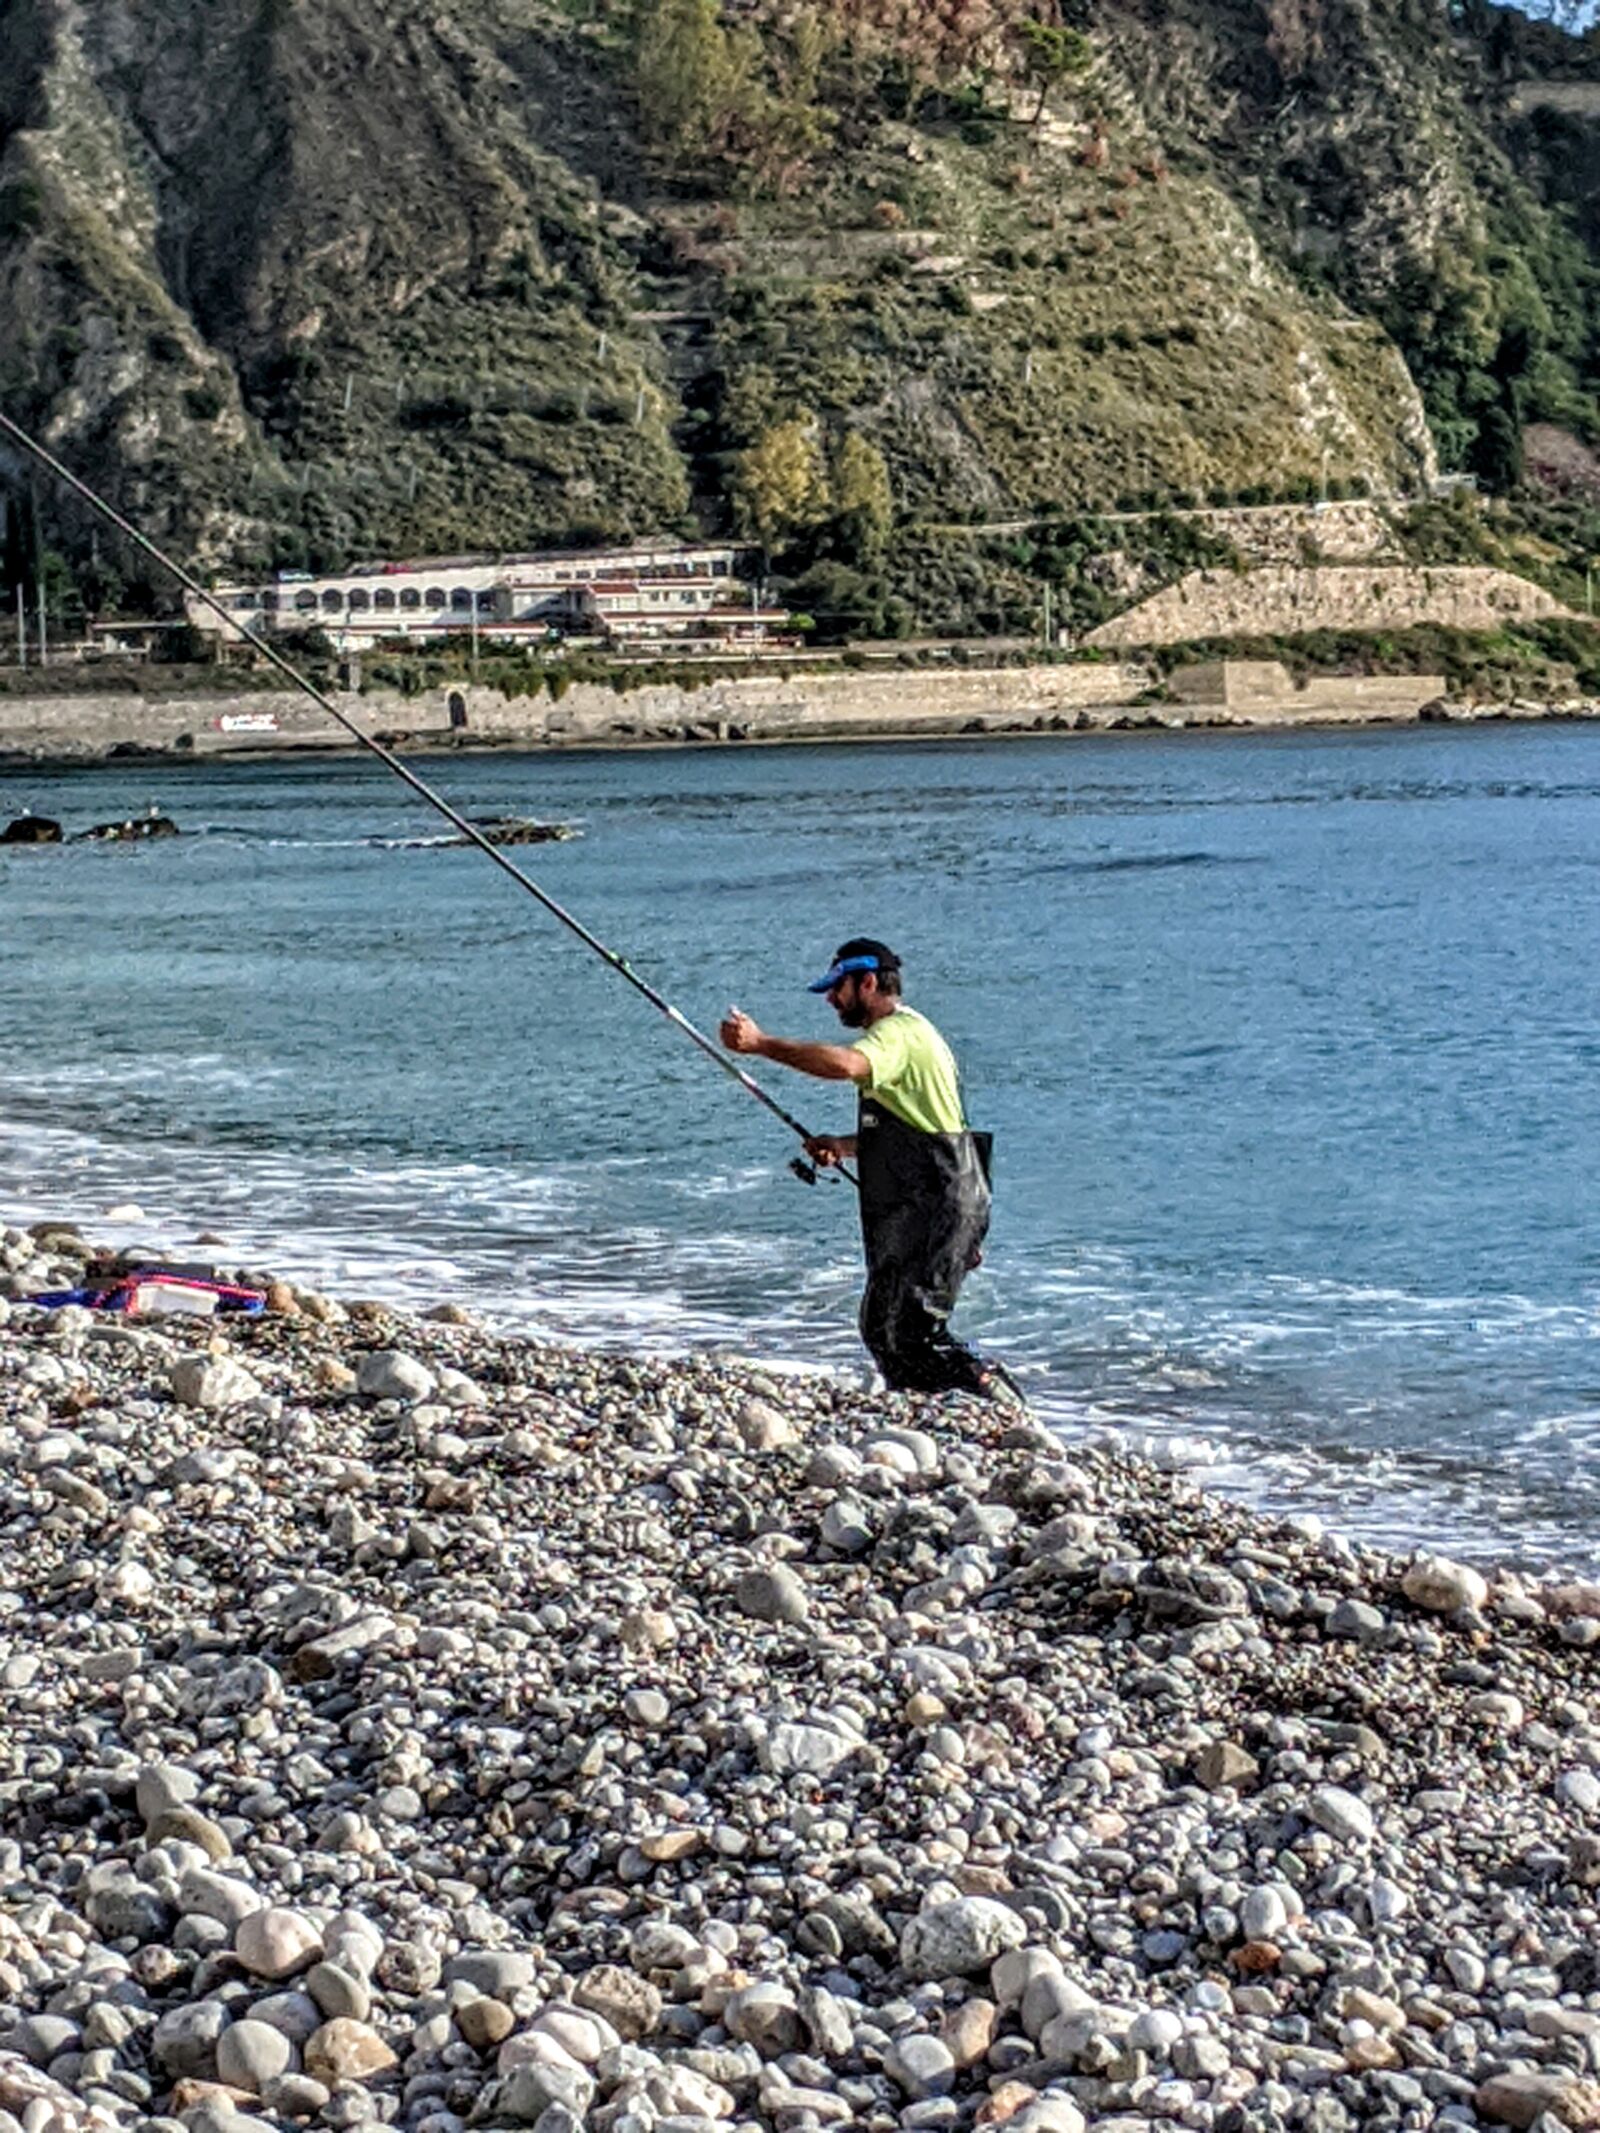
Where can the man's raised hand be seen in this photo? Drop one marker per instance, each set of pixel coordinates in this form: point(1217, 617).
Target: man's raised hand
point(740, 1032)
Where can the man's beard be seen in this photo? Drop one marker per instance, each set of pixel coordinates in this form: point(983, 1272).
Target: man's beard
point(854, 1016)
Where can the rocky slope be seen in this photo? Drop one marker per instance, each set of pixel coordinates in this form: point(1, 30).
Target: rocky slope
point(305, 281)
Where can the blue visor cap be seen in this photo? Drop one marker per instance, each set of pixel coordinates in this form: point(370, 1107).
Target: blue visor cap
point(848, 968)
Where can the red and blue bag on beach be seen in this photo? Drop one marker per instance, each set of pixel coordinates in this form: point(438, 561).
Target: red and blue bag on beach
point(151, 1291)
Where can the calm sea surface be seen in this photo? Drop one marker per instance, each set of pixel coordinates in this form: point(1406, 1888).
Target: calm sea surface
point(1291, 1046)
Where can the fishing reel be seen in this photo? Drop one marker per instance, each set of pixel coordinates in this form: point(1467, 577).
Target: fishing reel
point(810, 1173)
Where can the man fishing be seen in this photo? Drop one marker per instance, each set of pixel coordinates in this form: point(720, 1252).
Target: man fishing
point(923, 1174)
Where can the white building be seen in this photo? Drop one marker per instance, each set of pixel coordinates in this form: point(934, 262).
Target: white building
point(652, 592)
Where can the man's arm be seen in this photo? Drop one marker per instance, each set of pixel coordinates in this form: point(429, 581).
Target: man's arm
point(824, 1062)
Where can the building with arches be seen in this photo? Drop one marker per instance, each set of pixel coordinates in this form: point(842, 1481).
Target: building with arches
point(650, 595)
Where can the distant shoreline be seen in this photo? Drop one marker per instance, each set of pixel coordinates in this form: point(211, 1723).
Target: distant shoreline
point(1127, 719)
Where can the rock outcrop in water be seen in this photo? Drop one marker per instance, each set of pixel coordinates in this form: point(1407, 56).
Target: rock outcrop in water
point(408, 1725)
point(515, 829)
point(31, 829)
point(135, 830)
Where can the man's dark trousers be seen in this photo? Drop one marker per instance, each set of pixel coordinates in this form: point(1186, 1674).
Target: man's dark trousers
point(924, 1215)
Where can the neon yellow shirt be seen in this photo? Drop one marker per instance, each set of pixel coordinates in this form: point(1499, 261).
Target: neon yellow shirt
point(913, 1074)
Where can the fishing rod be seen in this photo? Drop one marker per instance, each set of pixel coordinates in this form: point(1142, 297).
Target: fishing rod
point(469, 830)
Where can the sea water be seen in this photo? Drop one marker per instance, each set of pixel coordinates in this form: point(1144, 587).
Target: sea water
point(1290, 1044)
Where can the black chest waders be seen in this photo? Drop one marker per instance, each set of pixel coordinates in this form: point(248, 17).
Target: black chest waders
point(924, 1216)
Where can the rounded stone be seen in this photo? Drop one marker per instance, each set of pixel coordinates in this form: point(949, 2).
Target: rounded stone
point(1155, 2030)
point(1442, 1586)
point(277, 1943)
point(920, 2067)
point(187, 1826)
point(345, 2050)
point(631, 2004)
point(765, 2015)
point(294, 2015)
point(386, 1374)
point(485, 2023)
point(336, 1992)
point(495, 1972)
point(162, 1787)
point(250, 2054)
point(1342, 1814)
point(774, 1594)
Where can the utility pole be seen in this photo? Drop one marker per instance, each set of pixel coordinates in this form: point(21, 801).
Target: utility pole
point(1047, 616)
point(22, 630)
point(474, 633)
point(44, 653)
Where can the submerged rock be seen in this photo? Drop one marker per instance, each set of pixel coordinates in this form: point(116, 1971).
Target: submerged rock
point(136, 829)
point(514, 829)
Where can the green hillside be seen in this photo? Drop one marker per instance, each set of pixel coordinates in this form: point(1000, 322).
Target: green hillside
point(302, 280)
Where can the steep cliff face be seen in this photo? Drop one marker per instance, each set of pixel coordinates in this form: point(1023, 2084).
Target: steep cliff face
point(303, 275)
point(302, 279)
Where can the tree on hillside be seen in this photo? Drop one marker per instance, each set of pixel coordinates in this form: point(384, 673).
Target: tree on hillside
point(690, 76)
point(19, 559)
point(863, 502)
point(1049, 56)
point(780, 484)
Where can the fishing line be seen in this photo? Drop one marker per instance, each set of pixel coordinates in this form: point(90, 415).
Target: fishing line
point(469, 830)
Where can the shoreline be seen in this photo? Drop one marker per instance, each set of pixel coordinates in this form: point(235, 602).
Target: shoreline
point(466, 1729)
point(1131, 722)
point(748, 711)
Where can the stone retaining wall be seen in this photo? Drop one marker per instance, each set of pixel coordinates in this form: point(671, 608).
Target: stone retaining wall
point(1280, 601)
point(1262, 690)
point(776, 706)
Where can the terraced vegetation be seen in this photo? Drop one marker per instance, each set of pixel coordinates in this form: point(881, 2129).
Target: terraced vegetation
point(305, 284)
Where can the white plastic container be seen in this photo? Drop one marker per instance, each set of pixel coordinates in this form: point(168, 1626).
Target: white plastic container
point(155, 1299)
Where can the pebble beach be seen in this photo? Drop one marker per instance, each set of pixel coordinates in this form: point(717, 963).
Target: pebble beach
point(405, 1724)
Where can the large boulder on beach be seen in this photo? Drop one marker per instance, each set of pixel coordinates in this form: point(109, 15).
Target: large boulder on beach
point(386, 1374)
point(209, 1381)
point(1441, 1586)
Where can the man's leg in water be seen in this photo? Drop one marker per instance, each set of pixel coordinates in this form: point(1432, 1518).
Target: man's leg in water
point(907, 1332)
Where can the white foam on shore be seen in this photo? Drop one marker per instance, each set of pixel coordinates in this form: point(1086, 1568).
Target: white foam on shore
point(523, 1251)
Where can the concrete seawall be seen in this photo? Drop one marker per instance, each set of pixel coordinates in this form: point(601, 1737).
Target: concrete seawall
point(837, 705)
point(760, 707)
